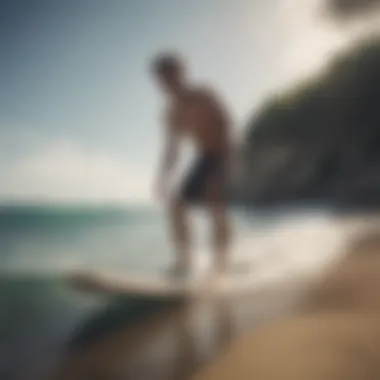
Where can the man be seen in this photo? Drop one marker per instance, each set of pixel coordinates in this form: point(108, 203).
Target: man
point(194, 113)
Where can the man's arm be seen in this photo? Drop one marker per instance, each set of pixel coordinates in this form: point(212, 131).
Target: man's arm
point(170, 153)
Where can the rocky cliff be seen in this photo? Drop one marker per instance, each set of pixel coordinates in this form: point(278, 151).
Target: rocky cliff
point(320, 141)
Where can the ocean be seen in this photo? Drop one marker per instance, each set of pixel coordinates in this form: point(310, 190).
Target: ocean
point(47, 240)
point(40, 314)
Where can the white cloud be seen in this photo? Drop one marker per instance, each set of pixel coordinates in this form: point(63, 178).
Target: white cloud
point(63, 171)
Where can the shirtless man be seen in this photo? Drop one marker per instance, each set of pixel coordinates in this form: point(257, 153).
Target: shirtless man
point(194, 113)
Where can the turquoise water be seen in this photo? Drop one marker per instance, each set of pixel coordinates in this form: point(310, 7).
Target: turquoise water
point(48, 240)
point(51, 239)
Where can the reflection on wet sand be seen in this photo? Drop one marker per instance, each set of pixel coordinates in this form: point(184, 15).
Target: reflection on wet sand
point(172, 343)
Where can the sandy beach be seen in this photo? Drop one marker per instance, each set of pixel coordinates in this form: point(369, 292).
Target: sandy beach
point(334, 336)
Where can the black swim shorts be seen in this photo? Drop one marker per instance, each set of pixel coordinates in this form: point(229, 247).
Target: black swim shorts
point(208, 167)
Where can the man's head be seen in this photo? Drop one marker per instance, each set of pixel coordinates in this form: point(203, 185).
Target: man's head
point(168, 68)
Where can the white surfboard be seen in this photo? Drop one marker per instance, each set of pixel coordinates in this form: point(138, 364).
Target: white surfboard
point(116, 283)
point(127, 284)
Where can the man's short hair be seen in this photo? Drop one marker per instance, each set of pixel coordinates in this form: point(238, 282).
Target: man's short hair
point(167, 63)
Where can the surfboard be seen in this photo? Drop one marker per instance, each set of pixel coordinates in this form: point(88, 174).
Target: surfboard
point(127, 284)
point(151, 285)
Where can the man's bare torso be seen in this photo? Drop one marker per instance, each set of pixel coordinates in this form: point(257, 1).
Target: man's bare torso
point(198, 115)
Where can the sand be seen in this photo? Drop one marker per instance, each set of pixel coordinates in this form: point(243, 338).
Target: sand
point(334, 336)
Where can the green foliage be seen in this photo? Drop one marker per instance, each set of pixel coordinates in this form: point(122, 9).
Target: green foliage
point(333, 120)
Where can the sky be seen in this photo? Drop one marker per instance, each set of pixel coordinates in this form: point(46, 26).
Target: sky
point(79, 111)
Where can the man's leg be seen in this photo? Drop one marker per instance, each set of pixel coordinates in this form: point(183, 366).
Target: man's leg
point(180, 234)
point(221, 236)
point(179, 216)
point(221, 233)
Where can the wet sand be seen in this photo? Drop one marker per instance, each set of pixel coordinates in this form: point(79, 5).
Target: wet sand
point(334, 336)
point(177, 341)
